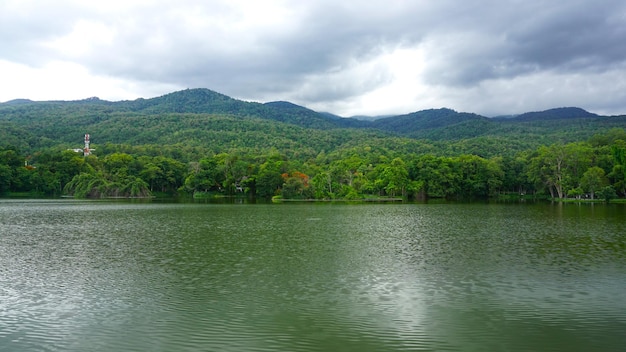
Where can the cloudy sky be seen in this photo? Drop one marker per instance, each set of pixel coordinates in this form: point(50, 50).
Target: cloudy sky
point(346, 57)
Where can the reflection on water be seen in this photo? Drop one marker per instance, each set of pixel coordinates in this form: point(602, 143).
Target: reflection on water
point(79, 275)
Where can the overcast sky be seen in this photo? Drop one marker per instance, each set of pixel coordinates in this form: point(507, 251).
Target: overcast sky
point(345, 57)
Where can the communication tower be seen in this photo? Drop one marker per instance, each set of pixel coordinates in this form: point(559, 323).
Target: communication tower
point(87, 150)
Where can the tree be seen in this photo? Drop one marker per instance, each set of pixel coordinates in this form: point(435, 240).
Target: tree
point(558, 167)
point(66, 165)
point(96, 185)
point(479, 177)
point(547, 168)
point(618, 173)
point(201, 176)
point(6, 174)
point(170, 174)
point(117, 165)
point(437, 176)
point(296, 185)
point(394, 177)
point(593, 180)
point(269, 179)
point(607, 193)
point(322, 185)
point(88, 185)
point(575, 192)
point(514, 178)
point(135, 187)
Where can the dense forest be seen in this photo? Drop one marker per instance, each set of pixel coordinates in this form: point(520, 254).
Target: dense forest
point(202, 143)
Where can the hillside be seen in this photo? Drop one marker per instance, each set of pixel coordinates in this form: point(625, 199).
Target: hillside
point(204, 118)
point(420, 124)
point(202, 143)
point(556, 114)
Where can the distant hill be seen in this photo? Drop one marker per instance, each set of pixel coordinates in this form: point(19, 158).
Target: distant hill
point(425, 120)
point(285, 111)
point(369, 118)
point(18, 102)
point(555, 114)
point(186, 101)
point(207, 118)
point(205, 101)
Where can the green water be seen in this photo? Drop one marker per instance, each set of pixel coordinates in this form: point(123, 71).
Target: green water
point(122, 276)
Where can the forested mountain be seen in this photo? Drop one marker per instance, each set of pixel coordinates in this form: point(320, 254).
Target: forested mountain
point(201, 117)
point(556, 114)
point(198, 140)
point(205, 101)
point(425, 120)
point(140, 121)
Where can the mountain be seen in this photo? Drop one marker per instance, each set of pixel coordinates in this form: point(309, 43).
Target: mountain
point(369, 118)
point(186, 101)
point(425, 120)
point(18, 102)
point(556, 114)
point(205, 101)
point(285, 111)
point(203, 117)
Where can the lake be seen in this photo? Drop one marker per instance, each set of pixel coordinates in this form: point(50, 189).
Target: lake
point(151, 276)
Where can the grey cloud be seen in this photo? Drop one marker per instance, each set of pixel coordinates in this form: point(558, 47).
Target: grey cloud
point(322, 42)
point(575, 37)
point(572, 37)
point(25, 30)
point(326, 51)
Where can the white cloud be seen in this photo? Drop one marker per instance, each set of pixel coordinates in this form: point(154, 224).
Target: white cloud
point(398, 89)
point(378, 57)
point(60, 80)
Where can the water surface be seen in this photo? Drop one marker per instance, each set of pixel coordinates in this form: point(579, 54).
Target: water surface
point(103, 276)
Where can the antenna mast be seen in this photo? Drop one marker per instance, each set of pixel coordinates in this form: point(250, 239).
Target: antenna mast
point(86, 151)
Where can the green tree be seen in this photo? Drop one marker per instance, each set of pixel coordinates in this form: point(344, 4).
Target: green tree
point(479, 177)
point(201, 176)
point(618, 172)
point(575, 192)
point(6, 175)
point(437, 176)
point(607, 193)
point(135, 187)
point(88, 185)
point(269, 179)
point(169, 176)
point(514, 171)
point(593, 180)
point(559, 167)
point(394, 177)
point(65, 165)
point(118, 165)
point(322, 185)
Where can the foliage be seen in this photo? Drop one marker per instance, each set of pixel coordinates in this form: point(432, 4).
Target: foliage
point(607, 193)
point(593, 180)
point(202, 142)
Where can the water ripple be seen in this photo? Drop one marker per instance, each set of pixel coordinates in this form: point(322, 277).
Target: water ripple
point(104, 276)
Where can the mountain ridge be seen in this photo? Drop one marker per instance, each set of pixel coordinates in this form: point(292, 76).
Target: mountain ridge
point(200, 115)
point(202, 100)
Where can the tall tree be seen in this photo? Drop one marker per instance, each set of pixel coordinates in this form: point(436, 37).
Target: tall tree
point(593, 180)
point(559, 167)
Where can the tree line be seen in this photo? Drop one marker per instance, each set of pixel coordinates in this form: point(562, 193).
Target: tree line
point(595, 168)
